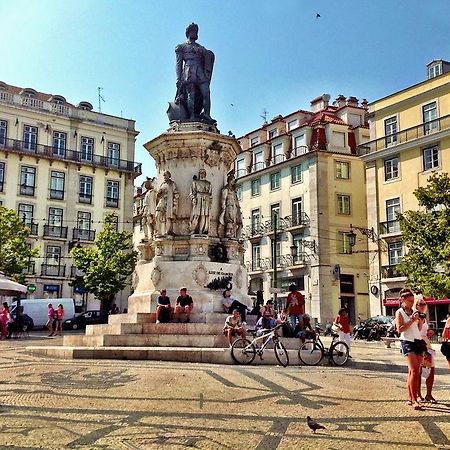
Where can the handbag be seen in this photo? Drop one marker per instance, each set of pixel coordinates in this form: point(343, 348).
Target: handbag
point(420, 346)
point(445, 349)
point(335, 328)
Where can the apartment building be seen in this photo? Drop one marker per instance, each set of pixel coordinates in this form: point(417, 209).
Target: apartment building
point(63, 167)
point(409, 140)
point(302, 192)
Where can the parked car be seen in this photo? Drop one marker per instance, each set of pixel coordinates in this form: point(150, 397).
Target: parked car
point(24, 324)
point(87, 318)
point(373, 328)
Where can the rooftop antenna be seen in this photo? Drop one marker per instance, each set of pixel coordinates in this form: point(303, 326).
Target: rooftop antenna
point(100, 99)
point(264, 116)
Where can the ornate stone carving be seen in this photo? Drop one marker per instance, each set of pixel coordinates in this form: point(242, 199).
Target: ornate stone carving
point(239, 278)
point(230, 219)
point(167, 205)
point(200, 275)
point(201, 197)
point(156, 275)
point(159, 250)
point(149, 209)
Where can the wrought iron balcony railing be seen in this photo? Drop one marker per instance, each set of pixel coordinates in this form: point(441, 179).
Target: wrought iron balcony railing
point(390, 272)
point(53, 270)
point(47, 151)
point(297, 220)
point(83, 235)
point(55, 231)
point(390, 226)
point(33, 228)
point(112, 202)
point(403, 136)
point(282, 261)
point(300, 150)
point(56, 194)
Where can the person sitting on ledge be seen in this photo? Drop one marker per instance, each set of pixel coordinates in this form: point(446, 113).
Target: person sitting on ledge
point(163, 308)
point(184, 305)
point(230, 304)
point(233, 326)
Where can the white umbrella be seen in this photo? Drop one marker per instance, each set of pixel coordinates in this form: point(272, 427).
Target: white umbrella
point(10, 287)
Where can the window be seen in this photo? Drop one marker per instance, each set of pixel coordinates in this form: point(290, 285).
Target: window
point(343, 204)
point(87, 148)
point(344, 243)
point(275, 179)
point(59, 143)
point(240, 168)
point(391, 168)
point(297, 241)
point(390, 131)
point(434, 71)
point(2, 176)
point(85, 195)
point(258, 161)
point(255, 221)
point(84, 225)
point(256, 187)
point(254, 141)
point(113, 154)
point(338, 139)
point(256, 256)
point(275, 215)
point(292, 124)
point(57, 180)
point(277, 153)
point(430, 122)
point(297, 211)
point(112, 194)
point(26, 213)
point(342, 170)
point(296, 174)
point(3, 131)
point(392, 208)
point(55, 217)
point(27, 180)
point(240, 192)
point(30, 137)
point(53, 255)
point(431, 158)
point(300, 145)
point(395, 253)
point(273, 133)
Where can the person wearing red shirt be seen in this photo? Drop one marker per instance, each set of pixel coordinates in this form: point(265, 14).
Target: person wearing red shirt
point(343, 322)
point(295, 305)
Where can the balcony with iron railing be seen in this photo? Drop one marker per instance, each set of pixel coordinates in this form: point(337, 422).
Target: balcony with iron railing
point(34, 227)
point(46, 151)
point(56, 194)
point(390, 227)
point(300, 150)
point(83, 235)
point(391, 271)
point(296, 221)
point(254, 231)
point(53, 270)
point(420, 131)
point(112, 202)
point(55, 231)
point(282, 262)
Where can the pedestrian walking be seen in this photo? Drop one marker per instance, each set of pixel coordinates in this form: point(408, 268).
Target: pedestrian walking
point(342, 321)
point(445, 346)
point(51, 313)
point(59, 316)
point(5, 318)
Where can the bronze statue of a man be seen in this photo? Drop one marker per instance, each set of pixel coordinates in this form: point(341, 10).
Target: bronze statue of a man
point(194, 66)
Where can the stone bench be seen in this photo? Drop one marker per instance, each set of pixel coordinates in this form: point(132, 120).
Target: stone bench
point(389, 340)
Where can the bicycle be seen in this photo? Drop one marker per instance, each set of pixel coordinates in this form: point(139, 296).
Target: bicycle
point(244, 351)
point(311, 352)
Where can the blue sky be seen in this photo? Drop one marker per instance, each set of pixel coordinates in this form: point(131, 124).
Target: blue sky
point(272, 55)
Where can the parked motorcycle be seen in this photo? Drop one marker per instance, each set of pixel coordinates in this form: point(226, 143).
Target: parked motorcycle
point(374, 329)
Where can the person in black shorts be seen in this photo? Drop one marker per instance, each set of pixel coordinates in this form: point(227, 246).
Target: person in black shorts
point(163, 308)
point(184, 305)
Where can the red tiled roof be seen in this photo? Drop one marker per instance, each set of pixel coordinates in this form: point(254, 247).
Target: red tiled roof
point(326, 117)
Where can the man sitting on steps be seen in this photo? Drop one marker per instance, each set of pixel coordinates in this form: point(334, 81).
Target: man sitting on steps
point(184, 305)
point(233, 326)
point(163, 308)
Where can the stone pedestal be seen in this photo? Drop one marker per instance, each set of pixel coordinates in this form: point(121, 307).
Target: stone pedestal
point(183, 259)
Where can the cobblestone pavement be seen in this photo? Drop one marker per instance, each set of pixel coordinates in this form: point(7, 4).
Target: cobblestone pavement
point(54, 404)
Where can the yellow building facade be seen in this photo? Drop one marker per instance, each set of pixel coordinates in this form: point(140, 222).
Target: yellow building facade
point(410, 139)
point(301, 187)
point(63, 167)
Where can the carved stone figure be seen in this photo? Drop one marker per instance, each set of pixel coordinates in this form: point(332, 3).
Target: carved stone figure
point(201, 197)
point(167, 205)
point(149, 209)
point(194, 66)
point(230, 219)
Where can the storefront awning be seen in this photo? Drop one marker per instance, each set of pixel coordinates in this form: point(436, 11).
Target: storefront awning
point(395, 302)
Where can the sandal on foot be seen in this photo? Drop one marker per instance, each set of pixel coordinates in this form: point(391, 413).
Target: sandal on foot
point(418, 407)
point(409, 403)
point(430, 399)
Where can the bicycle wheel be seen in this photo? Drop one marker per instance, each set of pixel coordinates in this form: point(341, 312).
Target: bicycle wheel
point(243, 351)
point(310, 353)
point(281, 353)
point(339, 353)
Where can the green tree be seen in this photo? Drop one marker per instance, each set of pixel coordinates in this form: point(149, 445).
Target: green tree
point(15, 252)
point(108, 264)
point(426, 233)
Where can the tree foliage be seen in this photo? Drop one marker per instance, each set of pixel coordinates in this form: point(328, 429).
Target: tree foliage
point(426, 233)
point(15, 252)
point(108, 264)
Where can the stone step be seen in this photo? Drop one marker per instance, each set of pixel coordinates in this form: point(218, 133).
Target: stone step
point(186, 354)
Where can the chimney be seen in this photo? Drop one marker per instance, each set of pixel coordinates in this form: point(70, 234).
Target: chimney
point(352, 101)
point(320, 103)
point(364, 104)
point(340, 101)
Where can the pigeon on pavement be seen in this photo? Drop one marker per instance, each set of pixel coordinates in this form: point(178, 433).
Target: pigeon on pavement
point(314, 425)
